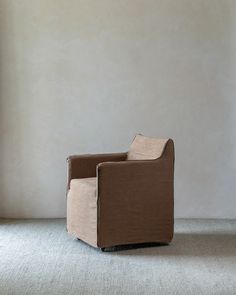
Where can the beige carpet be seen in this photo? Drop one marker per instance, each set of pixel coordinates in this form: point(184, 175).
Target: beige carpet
point(38, 257)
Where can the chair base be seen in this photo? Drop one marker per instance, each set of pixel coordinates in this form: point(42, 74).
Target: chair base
point(133, 246)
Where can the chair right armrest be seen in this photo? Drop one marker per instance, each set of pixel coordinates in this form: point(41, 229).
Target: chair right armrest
point(135, 200)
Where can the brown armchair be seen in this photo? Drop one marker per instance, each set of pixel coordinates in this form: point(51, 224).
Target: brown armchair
point(123, 198)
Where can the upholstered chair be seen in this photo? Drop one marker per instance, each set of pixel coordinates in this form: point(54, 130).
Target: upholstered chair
point(123, 198)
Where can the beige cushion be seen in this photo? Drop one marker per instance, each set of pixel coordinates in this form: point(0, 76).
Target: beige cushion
point(146, 148)
point(82, 209)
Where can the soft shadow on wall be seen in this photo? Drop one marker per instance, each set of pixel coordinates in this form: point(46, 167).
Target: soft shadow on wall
point(86, 76)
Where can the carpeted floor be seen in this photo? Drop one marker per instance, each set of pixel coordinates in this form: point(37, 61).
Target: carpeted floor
point(38, 257)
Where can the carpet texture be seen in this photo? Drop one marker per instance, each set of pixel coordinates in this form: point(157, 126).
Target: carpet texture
point(38, 257)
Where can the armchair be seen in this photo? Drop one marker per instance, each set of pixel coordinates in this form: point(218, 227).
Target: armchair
point(123, 198)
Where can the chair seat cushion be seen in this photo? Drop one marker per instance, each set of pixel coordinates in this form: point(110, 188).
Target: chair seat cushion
point(146, 148)
point(86, 184)
point(82, 209)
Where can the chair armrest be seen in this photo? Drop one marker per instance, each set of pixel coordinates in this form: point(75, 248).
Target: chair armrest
point(82, 166)
point(135, 199)
point(161, 169)
point(135, 170)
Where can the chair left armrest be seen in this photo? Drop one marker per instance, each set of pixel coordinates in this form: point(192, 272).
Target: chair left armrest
point(83, 166)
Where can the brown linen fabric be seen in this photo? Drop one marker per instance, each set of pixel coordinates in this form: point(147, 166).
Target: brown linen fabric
point(83, 166)
point(146, 148)
point(135, 201)
point(82, 209)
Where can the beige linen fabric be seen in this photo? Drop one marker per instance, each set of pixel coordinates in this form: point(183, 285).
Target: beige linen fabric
point(146, 148)
point(82, 209)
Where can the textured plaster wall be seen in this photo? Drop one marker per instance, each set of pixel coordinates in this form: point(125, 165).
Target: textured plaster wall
point(84, 76)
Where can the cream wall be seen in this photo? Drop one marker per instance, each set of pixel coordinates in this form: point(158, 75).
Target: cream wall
point(85, 76)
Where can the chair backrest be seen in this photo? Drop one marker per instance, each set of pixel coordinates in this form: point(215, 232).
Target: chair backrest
point(146, 148)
